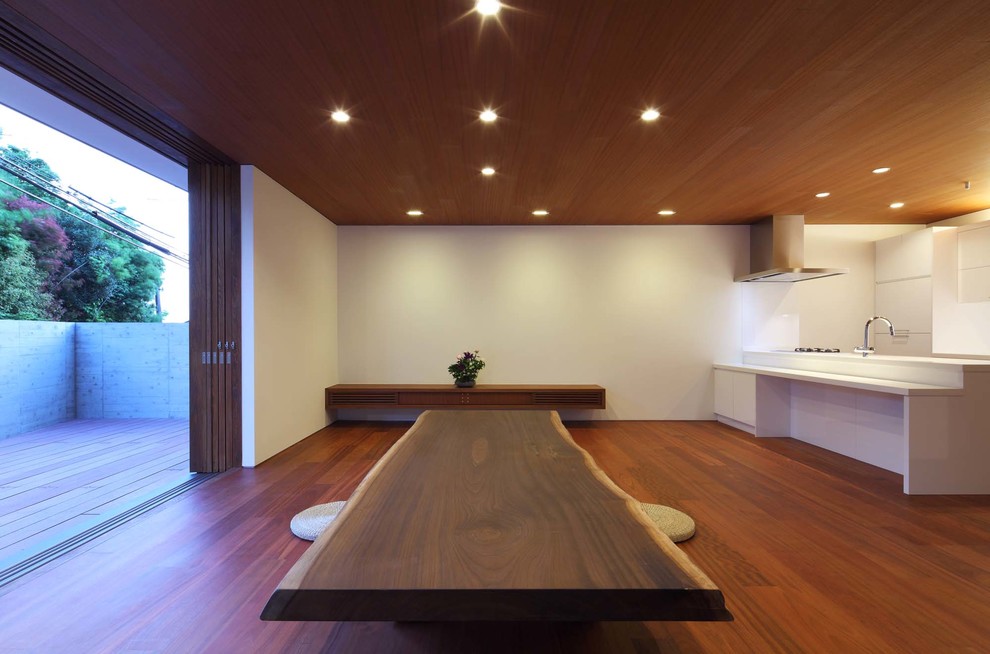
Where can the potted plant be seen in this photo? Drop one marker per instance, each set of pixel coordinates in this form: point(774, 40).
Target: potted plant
point(465, 370)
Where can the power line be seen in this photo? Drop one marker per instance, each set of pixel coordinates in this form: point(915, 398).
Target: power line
point(161, 252)
point(75, 196)
point(147, 241)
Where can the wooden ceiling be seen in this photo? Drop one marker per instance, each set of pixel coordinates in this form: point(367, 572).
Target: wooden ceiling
point(764, 103)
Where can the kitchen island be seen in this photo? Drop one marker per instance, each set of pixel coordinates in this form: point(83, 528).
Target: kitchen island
point(926, 418)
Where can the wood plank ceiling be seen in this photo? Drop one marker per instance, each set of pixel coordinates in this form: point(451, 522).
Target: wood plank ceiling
point(764, 103)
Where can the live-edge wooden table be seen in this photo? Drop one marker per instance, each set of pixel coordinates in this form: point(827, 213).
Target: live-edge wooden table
point(492, 515)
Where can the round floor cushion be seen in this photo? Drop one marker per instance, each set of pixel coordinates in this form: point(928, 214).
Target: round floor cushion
point(313, 521)
point(676, 524)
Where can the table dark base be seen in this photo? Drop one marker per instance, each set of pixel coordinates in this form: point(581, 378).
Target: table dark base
point(493, 605)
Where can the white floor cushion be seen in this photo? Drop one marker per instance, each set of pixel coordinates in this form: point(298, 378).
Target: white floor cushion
point(313, 521)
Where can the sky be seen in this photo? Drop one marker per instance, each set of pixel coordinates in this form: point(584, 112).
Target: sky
point(113, 182)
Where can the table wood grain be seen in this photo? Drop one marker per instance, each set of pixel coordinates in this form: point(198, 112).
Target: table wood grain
point(492, 515)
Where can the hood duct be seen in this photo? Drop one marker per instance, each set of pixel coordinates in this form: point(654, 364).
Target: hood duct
point(776, 252)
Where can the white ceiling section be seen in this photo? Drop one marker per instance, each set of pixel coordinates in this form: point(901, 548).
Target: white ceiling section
point(28, 99)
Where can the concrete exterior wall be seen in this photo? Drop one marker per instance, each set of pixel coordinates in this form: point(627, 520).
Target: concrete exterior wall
point(55, 371)
point(132, 370)
point(37, 375)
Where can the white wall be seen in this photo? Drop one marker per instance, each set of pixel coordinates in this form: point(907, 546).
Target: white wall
point(828, 312)
point(643, 311)
point(289, 298)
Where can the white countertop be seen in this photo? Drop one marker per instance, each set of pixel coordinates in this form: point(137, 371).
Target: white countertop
point(850, 381)
point(966, 364)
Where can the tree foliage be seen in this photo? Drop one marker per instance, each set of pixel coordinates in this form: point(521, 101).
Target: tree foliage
point(55, 266)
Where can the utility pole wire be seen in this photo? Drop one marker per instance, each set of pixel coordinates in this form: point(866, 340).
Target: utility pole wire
point(145, 240)
point(160, 249)
point(76, 196)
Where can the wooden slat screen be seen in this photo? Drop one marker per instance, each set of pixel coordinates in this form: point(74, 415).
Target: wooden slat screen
point(215, 320)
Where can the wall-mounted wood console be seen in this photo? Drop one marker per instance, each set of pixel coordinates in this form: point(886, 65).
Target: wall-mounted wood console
point(448, 396)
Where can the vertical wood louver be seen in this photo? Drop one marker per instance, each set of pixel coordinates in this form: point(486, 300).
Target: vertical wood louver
point(215, 318)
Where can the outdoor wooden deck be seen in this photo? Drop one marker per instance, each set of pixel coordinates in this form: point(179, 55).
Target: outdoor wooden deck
point(57, 481)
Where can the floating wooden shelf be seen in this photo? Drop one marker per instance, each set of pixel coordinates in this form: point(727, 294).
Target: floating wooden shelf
point(448, 396)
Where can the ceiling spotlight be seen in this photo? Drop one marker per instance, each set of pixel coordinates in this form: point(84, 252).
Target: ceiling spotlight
point(822, 195)
point(340, 116)
point(414, 212)
point(666, 212)
point(487, 7)
point(488, 171)
point(541, 212)
point(881, 171)
point(488, 116)
point(650, 115)
point(896, 205)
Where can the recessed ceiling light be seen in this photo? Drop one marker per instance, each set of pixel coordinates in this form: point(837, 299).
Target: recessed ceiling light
point(822, 195)
point(896, 205)
point(881, 170)
point(488, 116)
point(487, 171)
point(650, 114)
point(487, 7)
point(666, 212)
point(340, 116)
point(414, 212)
point(541, 212)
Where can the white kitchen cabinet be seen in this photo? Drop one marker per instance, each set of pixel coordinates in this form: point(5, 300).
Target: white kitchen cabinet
point(974, 264)
point(744, 397)
point(723, 392)
point(914, 344)
point(974, 247)
point(904, 294)
point(735, 396)
point(905, 256)
point(974, 285)
point(907, 303)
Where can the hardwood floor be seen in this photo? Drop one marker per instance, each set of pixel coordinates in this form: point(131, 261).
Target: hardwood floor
point(814, 552)
point(58, 480)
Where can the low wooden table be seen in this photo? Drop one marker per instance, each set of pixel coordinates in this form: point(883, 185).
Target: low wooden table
point(492, 515)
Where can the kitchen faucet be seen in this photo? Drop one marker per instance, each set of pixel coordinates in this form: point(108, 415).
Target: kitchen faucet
point(866, 350)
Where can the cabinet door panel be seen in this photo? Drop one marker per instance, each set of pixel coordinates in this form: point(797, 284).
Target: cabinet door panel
point(907, 303)
point(429, 398)
point(904, 256)
point(911, 345)
point(723, 392)
point(974, 248)
point(974, 284)
point(744, 397)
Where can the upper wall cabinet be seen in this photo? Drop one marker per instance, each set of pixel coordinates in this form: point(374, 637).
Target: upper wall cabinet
point(904, 293)
point(904, 257)
point(907, 303)
point(974, 264)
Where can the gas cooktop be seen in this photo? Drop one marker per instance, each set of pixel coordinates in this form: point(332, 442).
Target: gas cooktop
point(816, 349)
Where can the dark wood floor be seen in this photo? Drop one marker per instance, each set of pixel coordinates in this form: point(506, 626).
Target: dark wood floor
point(58, 480)
point(814, 552)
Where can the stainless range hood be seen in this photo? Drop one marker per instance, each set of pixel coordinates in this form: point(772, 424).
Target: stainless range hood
point(776, 252)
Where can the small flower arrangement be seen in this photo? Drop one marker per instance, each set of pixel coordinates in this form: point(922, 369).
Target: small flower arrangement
point(465, 370)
